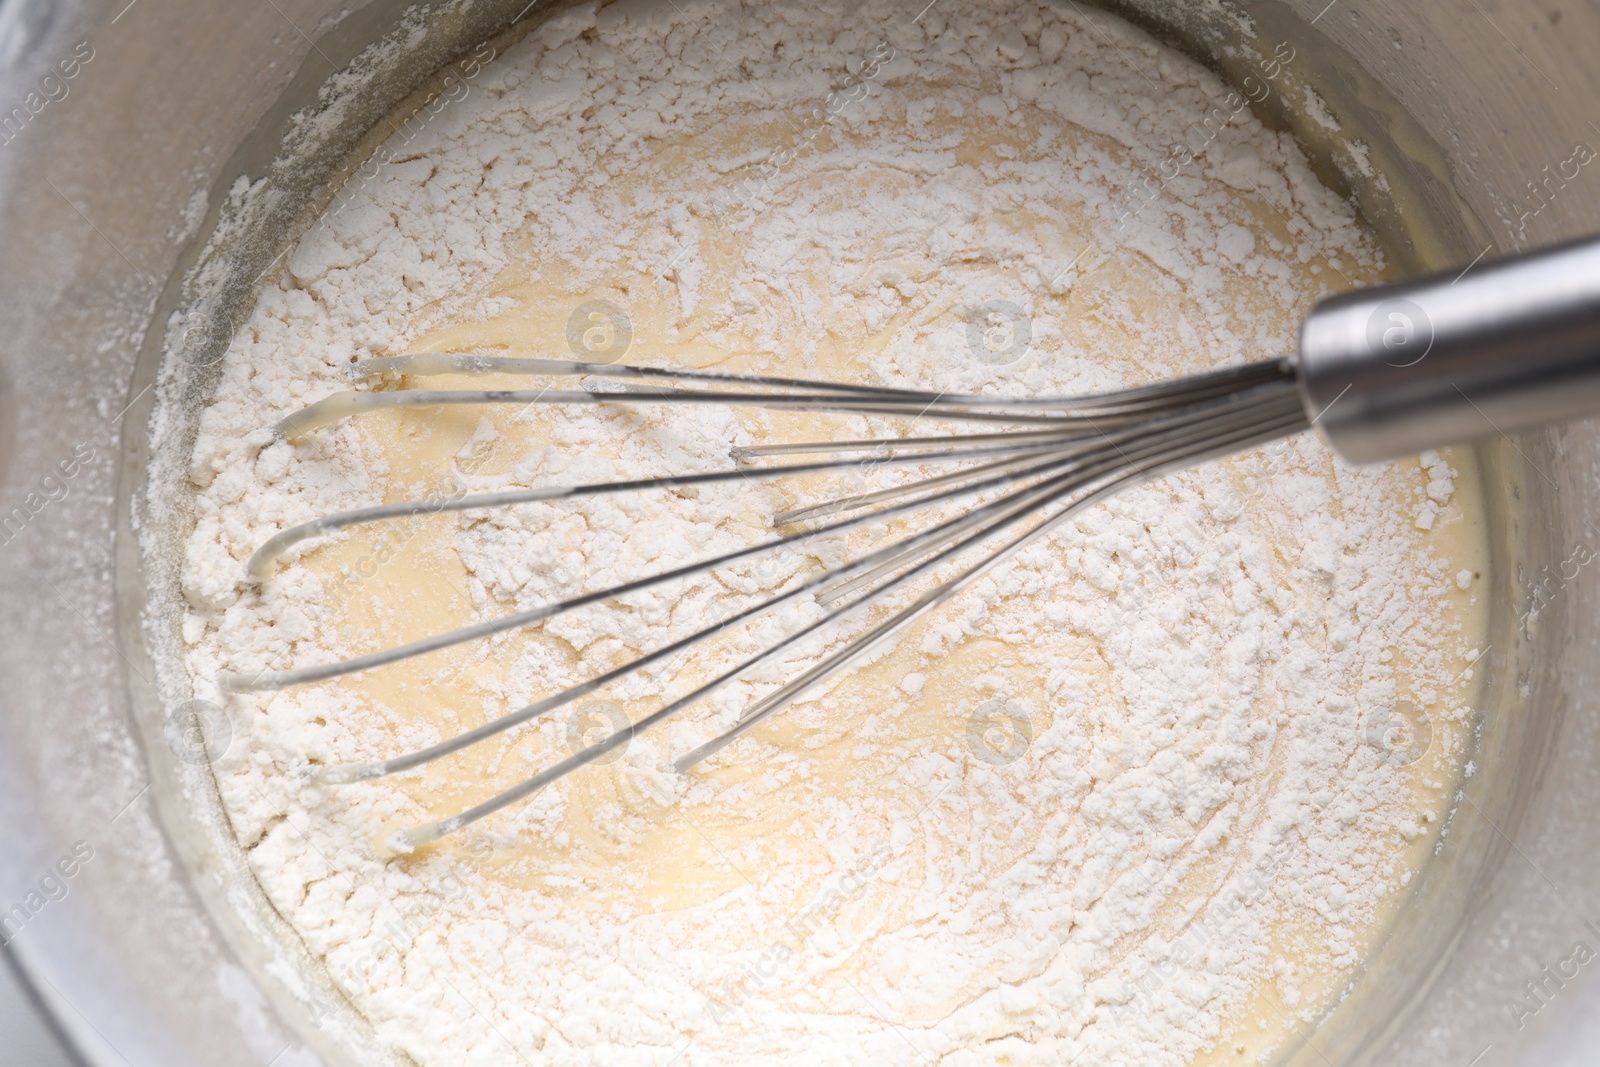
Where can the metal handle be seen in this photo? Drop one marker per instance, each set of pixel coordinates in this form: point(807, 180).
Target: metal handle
point(1392, 370)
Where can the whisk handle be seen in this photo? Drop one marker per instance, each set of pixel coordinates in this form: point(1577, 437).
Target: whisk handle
point(1392, 370)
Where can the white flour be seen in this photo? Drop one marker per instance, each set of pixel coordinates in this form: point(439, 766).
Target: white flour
point(1199, 815)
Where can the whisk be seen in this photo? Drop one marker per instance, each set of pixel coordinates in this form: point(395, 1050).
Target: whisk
point(1381, 373)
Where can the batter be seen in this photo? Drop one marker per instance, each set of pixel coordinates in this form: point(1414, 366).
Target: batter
point(1147, 795)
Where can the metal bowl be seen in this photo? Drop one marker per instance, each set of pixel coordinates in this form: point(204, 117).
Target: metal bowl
point(124, 128)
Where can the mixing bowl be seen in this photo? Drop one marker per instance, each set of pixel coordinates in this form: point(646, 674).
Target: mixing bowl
point(130, 133)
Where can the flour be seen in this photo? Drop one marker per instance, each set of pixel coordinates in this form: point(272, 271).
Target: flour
point(1116, 804)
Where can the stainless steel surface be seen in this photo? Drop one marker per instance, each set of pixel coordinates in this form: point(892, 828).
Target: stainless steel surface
point(25, 1030)
point(1467, 354)
point(153, 957)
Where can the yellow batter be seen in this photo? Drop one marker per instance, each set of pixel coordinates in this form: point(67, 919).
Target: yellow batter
point(1030, 909)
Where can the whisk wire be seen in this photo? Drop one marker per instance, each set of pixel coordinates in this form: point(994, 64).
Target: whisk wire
point(1083, 450)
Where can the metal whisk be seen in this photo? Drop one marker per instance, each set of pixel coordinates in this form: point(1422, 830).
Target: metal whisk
point(1382, 373)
